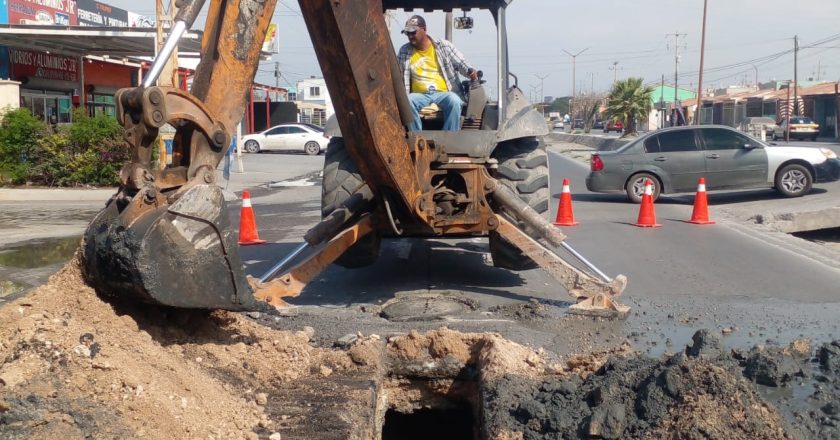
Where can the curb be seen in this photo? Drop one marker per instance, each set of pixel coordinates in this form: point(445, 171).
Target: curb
point(56, 194)
point(593, 141)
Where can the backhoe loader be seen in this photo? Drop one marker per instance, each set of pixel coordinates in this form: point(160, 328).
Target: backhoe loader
point(164, 237)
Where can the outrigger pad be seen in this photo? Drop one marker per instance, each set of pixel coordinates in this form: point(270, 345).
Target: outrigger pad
point(600, 305)
point(180, 255)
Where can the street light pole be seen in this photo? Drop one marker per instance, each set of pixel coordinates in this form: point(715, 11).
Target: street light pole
point(574, 56)
point(542, 92)
point(615, 71)
point(795, 78)
point(697, 113)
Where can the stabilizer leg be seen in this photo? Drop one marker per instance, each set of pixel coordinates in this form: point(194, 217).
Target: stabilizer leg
point(594, 296)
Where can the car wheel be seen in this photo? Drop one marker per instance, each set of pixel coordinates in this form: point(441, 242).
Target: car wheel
point(312, 148)
point(635, 187)
point(794, 180)
point(252, 147)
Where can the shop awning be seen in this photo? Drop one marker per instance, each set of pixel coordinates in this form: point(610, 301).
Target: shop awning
point(83, 40)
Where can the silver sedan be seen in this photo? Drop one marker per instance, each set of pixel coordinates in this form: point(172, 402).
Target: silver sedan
point(674, 159)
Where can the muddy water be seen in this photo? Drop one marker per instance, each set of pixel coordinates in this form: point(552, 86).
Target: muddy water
point(28, 264)
point(39, 253)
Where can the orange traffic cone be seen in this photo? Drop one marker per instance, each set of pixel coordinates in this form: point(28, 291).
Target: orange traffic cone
point(565, 216)
point(247, 225)
point(700, 214)
point(647, 215)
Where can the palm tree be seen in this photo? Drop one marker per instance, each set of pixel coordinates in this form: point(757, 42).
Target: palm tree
point(629, 101)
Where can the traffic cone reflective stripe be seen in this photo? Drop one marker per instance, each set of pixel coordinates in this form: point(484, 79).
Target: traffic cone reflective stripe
point(647, 215)
point(700, 214)
point(248, 234)
point(565, 215)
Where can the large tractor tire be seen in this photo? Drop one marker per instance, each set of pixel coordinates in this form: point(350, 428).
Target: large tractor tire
point(341, 180)
point(523, 167)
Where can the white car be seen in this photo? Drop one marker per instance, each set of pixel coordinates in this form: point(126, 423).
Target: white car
point(307, 138)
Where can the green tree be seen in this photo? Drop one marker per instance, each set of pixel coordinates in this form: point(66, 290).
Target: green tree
point(560, 105)
point(629, 101)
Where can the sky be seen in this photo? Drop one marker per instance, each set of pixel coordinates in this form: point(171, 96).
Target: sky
point(745, 40)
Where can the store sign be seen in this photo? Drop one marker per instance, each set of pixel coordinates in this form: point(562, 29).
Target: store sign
point(29, 63)
point(4, 12)
point(271, 44)
point(137, 20)
point(58, 12)
point(93, 13)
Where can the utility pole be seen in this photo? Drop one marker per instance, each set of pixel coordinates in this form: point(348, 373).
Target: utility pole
point(700, 81)
point(662, 101)
point(170, 70)
point(572, 103)
point(795, 79)
point(542, 92)
point(276, 78)
point(677, 36)
point(614, 68)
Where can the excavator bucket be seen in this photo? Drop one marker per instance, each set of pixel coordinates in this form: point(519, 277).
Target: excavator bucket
point(181, 255)
point(165, 237)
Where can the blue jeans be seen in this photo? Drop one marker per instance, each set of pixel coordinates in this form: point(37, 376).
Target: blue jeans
point(449, 102)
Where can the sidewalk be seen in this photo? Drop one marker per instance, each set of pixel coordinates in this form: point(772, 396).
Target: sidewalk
point(56, 194)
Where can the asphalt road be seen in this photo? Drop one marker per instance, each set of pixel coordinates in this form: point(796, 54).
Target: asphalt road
point(761, 285)
point(766, 286)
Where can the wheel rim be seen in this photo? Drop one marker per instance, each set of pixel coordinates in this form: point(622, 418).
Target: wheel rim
point(312, 148)
point(639, 187)
point(794, 181)
point(251, 146)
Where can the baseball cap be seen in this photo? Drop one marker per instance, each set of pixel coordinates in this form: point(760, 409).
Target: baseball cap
point(414, 23)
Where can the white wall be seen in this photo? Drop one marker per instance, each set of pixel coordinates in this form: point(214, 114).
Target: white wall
point(9, 94)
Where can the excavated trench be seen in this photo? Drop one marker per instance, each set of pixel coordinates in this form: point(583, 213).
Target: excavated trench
point(74, 366)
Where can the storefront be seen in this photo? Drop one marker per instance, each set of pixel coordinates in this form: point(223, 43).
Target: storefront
point(48, 82)
point(53, 84)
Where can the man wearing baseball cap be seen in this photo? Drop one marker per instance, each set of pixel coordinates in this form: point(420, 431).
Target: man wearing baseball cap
point(430, 71)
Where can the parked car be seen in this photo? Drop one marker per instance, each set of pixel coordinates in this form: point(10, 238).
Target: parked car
point(614, 125)
point(577, 123)
point(558, 125)
point(598, 125)
point(749, 125)
point(801, 127)
point(673, 159)
point(307, 138)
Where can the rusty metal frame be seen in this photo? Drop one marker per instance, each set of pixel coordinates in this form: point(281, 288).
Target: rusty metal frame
point(292, 283)
point(591, 294)
point(354, 50)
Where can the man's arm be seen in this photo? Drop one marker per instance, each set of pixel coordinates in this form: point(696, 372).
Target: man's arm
point(457, 59)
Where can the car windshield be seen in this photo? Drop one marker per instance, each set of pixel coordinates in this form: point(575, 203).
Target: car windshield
point(801, 120)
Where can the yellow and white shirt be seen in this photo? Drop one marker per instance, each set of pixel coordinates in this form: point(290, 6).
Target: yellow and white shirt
point(425, 71)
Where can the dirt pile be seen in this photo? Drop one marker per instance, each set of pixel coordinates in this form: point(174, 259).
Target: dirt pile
point(73, 366)
point(706, 391)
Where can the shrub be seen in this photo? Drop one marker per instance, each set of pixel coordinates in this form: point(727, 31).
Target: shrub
point(88, 152)
point(20, 132)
